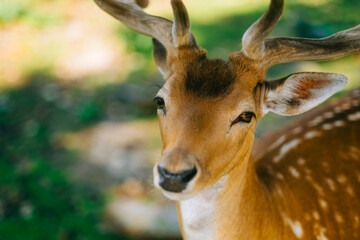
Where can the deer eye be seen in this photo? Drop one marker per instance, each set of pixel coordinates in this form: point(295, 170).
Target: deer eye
point(244, 117)
point(160, 102)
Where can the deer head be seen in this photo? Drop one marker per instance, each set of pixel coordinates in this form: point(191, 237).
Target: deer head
point(208, 108)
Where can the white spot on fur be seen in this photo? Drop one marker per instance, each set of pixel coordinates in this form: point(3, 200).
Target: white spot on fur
point(341, 178)
point(346, 106)
point(294, 172)
point(277, 143)
point(314, 184)
point(323, 204)
point(297, 130)
point(301, 161)
point(354, 116)
point(280, 176)
point(339, 123)
point(307, 171)
point(325, 166)
point(331, 184)
point(196, 212)
point(316, 215)
point(354, 152)
point(338, 218)
point(350, 190)
point(315, 121)
point(320, 232)
point(294, 225)
point(307, 217)
point(338, 109)
point(312, 134)
point(356, 93)
point(329, 115)
point(279, 190)
point(356, 221)
point(297, 229)
point(285, 149)
point(327, 126)
point(318, 188)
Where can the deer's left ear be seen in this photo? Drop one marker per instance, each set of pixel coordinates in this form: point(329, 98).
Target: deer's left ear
point(160, 57)
point(300, 92)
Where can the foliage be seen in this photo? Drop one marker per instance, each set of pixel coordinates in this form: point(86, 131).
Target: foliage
point(37, 198)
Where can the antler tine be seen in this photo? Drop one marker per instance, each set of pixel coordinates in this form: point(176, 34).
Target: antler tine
point(169, 34)
point(253, 39)
point(282, 50)
point(181, 26)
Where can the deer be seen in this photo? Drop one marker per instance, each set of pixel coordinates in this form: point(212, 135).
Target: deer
point(302, 182)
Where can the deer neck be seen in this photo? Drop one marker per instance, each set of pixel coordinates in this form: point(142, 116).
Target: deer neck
point(235, 207)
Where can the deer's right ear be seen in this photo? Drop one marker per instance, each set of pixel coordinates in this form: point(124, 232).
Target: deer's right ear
point(301, 92)
point(160, 56)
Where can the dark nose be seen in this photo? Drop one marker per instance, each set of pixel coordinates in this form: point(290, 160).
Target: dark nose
point(175, 182)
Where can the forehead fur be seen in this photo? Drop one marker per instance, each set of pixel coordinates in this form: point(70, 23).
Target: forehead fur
point(209, 77)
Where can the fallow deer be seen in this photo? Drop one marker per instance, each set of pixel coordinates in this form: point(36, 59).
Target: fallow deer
point(305, 185)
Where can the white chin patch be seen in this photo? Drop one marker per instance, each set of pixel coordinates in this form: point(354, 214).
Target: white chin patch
point(178, 196)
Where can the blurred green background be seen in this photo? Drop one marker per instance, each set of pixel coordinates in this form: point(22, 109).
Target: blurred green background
point(78, 132)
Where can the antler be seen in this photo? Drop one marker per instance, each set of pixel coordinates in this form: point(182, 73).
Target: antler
point(253, 39)
point(281, 50)
point(170, 34)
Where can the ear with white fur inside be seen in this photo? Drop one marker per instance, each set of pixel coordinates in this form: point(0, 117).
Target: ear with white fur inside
point(301, 92)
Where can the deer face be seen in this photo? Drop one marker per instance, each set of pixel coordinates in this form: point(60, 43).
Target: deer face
point(207, 112)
